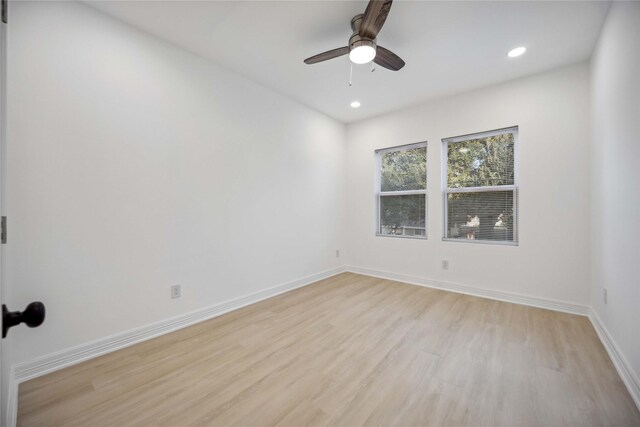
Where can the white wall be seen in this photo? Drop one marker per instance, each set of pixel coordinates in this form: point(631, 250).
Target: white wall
point(134, 165)
point(552, 112)
point(615, 207)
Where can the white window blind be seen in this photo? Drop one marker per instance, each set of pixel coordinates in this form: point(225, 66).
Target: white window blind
point(402, 191)
point(480, 196)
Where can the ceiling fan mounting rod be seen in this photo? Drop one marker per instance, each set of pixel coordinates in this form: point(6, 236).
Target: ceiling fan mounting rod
point(356, 21)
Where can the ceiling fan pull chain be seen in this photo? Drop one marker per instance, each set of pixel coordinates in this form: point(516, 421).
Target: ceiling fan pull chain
point(373, 67)
point(350, 72)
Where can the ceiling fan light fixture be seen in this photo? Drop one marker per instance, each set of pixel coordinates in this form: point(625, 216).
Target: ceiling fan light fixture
point(362, 54)
point(362, 51)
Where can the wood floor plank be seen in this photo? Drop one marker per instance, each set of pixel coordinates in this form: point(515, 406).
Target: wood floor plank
point(349, 350)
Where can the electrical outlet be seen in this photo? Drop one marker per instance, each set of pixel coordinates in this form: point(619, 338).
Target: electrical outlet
point(604, 295)
point(445, 264)
point(176, 290)
point(337, 253)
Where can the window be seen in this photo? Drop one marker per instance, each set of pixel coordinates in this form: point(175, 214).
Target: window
point(480, 196)
point(402, 191)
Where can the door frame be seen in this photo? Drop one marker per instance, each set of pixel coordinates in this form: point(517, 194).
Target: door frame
point(7, 417)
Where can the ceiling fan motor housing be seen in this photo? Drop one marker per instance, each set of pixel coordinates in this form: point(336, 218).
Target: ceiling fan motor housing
point(356, 41)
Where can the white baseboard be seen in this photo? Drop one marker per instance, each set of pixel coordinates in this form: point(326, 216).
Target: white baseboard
point(626, 372)
point(25, 371)
point(566, 307)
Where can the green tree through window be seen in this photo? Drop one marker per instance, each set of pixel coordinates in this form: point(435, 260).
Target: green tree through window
point(481, 162)
point(404, 170)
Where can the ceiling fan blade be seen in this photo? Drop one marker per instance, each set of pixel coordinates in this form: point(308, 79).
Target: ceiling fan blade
point(387, 59)
point(374, 17)
point(330, 54)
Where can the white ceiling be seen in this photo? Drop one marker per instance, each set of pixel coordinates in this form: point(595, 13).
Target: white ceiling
point(449, 47)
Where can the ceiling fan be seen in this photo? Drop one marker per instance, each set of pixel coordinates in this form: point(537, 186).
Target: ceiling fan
point(362, 46)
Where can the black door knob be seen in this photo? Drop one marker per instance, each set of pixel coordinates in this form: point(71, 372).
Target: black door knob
point(32, 316)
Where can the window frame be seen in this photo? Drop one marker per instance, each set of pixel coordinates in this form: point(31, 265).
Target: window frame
point(379, 193)
point(513, 188)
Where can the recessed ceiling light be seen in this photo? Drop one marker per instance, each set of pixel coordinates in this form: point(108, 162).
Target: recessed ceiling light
point(514, 53)
point(355, 104)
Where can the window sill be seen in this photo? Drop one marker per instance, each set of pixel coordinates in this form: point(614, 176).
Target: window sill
point(402, 237)
point(482, 242)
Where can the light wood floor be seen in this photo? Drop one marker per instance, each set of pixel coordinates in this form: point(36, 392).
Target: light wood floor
point(350, 350)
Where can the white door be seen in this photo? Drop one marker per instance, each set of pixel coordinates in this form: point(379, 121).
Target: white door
point(33, 314)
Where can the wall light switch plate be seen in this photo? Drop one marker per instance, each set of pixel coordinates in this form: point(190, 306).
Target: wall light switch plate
point(445, 264)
